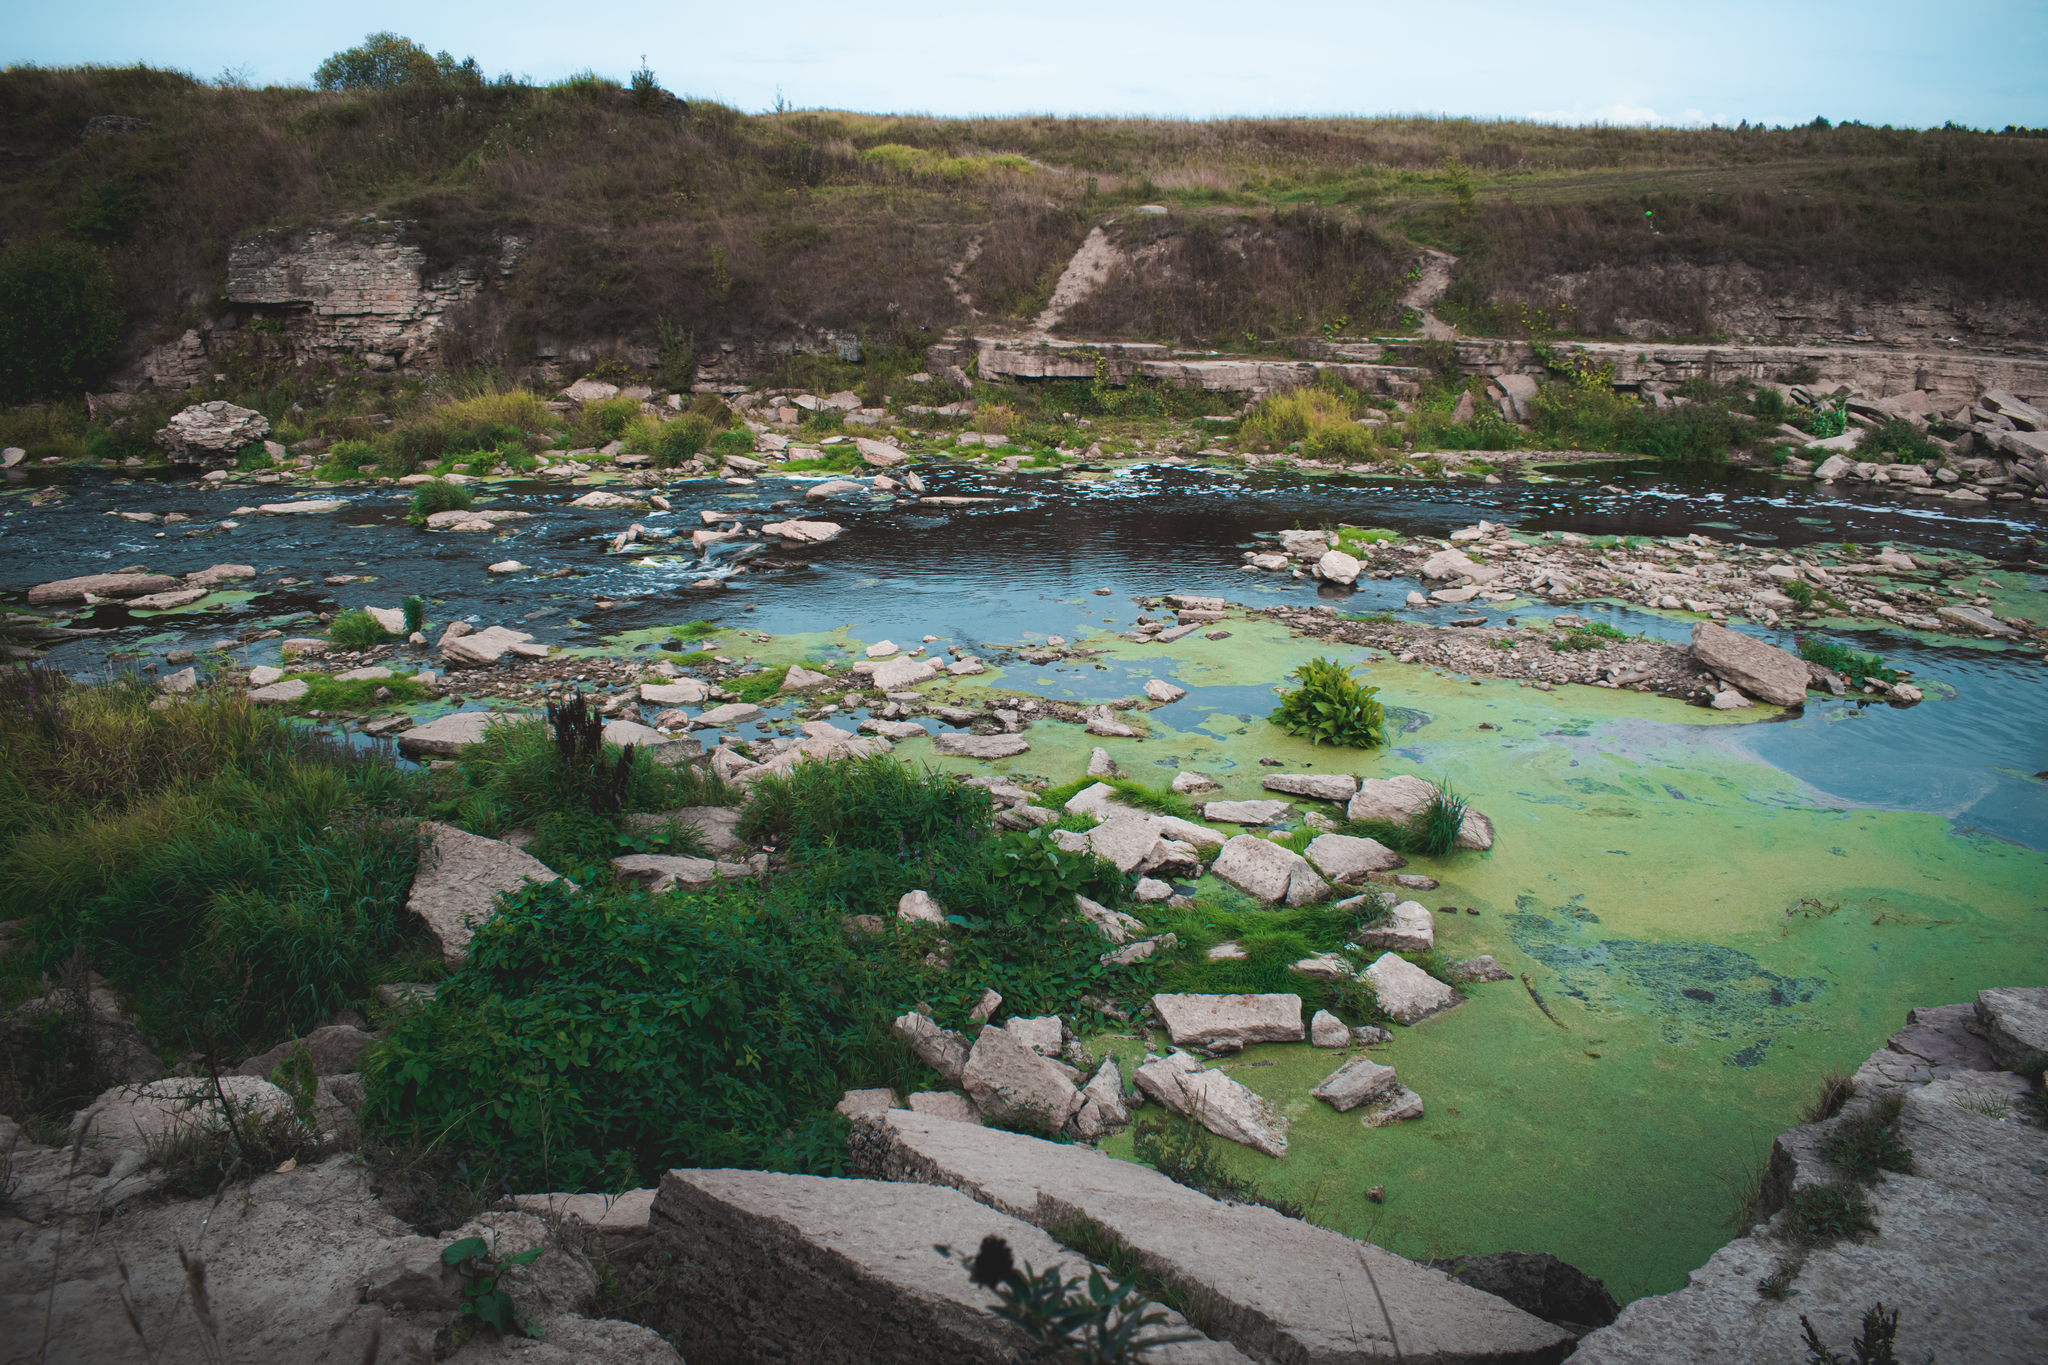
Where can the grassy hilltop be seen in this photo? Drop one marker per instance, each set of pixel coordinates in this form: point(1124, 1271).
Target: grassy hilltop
point(643, 212)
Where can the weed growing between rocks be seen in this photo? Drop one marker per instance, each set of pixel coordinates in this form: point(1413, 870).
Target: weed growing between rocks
point(227, 871)
point(356, 629)
point(1591, 635)
point(1102, 1324)
point(595, 1037)
point(438, 495)
point(1865, 1147)
point(1836, 1090)
point(1182, 1150)
point(1437, 825)
point(1777, 1286)
point(1821, 1215)
point(1875, 1347)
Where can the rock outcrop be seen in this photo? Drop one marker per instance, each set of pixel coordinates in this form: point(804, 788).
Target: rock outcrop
point(212, 433)
point(460, 878)
point(1956, 1248)
point(1757, 667)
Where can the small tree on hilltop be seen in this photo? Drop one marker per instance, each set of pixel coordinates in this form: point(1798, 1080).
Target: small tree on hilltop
point(386, 60)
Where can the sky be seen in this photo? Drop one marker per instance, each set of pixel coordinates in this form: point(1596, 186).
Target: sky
point(1982, 63)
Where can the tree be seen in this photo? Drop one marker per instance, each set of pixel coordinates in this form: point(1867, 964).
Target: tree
point(386, 60)
point(58, 318)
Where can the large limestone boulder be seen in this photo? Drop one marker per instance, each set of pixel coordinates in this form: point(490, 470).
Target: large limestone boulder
point(718, 826)
point(1258, 867)
point(1406, 992)
point(446, 736)
point(2013, 1022)
point(880, 454)
point(1218, 1102)
point(1347, 858)
point(1338, 567)
point(147, 1115)
point(1240, 1020)
point(1011, 1083)
point(68, 590)
point(1399, 799)
point(1757, 667)
point(460, 877)
point(211, 433)
point(804, 532)
point(1408, 928)
point(334, 1050)
point(893, 675)
point(1320, 786)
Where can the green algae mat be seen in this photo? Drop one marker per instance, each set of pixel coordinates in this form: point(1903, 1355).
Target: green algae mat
point(1711, 935)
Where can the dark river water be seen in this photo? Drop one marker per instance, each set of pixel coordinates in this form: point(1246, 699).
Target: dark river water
point(1028, 564)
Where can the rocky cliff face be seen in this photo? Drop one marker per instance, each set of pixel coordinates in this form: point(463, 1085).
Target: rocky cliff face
point(363, 290)
point(1954, 1244)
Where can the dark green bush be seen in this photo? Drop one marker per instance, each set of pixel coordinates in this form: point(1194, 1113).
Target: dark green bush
point(1865, 1147)
point(386, 60)
point(58, 318)
point(681, 439)
point(356, 629)
point(438, 495)
point(1898, 438)
point(594, 1039)
point(1331, 707)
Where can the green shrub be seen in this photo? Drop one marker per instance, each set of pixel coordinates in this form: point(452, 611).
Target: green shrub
point(1331, 707)
point(1591, 635)
point(1857, 668)
point(693, 630)
point(1801, 593)
point(679, 440)
point(59, 318)
point(596, 1038)
point(357, 629)
point(1897, 438)
point(438, 495)
point(757, 686)
point(606, 419)
point(732, 443)
point(415, 614)
point(1768, 405)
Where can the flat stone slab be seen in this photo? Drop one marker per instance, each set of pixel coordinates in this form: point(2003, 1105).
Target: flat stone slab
point(1359, 1081)
point(1276, 1287)
point(718, 826)
point(1319, 786)
point(660, 872)
point(290, 690)
point(446, 736)
point(685, 692)
point(842, 1272)
point(100, 585)
point(2013, 1022)
point(893, 675)
point(1205, 1020)
point(460, 878)
point(984, 747)
point(1398, 798)
point(1757, 667)
point(1247, 812)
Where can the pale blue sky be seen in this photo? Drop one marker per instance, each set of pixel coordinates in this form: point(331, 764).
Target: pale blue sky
point(1977, 62)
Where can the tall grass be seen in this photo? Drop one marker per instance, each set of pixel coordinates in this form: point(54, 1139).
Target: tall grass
point(240, 878)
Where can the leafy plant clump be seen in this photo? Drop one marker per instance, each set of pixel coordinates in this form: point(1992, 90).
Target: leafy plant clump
point(1438, 824)
point(1331, 707)
point(1865, 1147)
point(1857, 668)
point(484, 1297)
point(1104, 1324)
point(1590, 635)
point(357, 629)
point(438, 495)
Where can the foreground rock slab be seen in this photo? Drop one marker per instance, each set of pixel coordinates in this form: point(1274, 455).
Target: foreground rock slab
point(460, 878)
point(1408, 993)
point(842, 1272)
point(1206, 1020)
point(1277, 1288)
